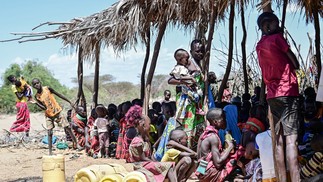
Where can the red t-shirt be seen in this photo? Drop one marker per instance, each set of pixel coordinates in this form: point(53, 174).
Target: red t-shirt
point(277, 69)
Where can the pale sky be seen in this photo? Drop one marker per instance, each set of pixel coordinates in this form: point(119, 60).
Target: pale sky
point(22, 16)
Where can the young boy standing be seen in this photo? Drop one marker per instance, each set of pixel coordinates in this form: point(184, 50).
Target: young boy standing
point(46, 101)
point(101, 124)
point(278, 64)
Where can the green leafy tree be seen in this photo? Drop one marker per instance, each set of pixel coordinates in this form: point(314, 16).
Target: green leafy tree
point(29, 70)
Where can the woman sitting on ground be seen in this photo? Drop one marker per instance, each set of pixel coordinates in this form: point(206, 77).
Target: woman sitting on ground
point(139, 151)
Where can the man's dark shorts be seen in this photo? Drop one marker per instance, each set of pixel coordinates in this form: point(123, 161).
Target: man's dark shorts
point(285, 111)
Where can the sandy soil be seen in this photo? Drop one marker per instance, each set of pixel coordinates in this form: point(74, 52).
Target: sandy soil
point(20, 161)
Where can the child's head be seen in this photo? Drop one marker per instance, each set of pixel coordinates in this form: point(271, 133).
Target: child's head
point(157, 106)
point(137, 101)
point(316, 143)
point(268, 23)
point(111, 112)
point(182, 57)
point(125, 107)
point(152, 114)
point(167, 95)
point(236, 100)
point(135, 118)
point(257, 90)
point(101, 111)
point(211, 77)
point(93, 114)
point(168, 110)
point(112, 106)
point(36, 83)
point(250, 129)
point(216, 117)
point(251, 152)
point(18, 83)
point(12, 78)
point(310, 107)
point(69, 115)
point(178, 136)
point(246, 97)
point(133, 115)
point(81, 111)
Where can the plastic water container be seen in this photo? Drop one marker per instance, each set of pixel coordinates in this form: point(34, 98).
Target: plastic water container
point(95, 173)
point(53, 168)
point(135, 176)
point(117, 177)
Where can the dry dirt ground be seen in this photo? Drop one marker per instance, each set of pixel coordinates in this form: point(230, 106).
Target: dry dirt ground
point(21, 161)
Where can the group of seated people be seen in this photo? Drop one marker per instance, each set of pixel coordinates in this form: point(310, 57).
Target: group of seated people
point(231, 148)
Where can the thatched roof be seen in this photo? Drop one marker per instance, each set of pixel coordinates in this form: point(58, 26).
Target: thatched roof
point(123, 25)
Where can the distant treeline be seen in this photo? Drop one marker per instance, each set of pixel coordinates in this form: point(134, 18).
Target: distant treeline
point(109, 91)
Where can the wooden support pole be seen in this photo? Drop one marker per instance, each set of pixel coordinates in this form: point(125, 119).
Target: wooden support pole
point(273, 140)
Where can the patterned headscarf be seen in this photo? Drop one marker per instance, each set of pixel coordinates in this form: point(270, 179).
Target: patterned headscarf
point(133, 116)
point(253, 124)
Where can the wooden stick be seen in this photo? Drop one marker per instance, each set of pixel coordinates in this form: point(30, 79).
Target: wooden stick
point(273, 140)
point(51, 23)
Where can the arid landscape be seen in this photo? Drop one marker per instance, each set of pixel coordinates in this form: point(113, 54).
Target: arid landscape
point(21, 161)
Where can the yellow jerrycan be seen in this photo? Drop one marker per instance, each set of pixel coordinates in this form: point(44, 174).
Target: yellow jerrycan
point(117, 177)
point(95, 173)
point(53, 168)
point(134, 176)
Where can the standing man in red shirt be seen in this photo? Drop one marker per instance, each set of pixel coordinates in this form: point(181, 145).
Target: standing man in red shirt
point(278, 64)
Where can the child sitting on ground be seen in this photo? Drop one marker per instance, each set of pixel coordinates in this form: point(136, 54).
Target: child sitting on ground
point(179, 153)
point(80, 128)
point(21, 86)
point(114, 130)
point(314, 166)
point(102, 126)
point(153, 134)
point(253, 170)
point(181, 72)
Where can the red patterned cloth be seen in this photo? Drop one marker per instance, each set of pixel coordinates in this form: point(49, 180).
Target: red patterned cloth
point(94, 140)
point(122, 132)
point(154, 171)
point(212, 174)
point(252, 124)
point(22, 123)
point(79, 136)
